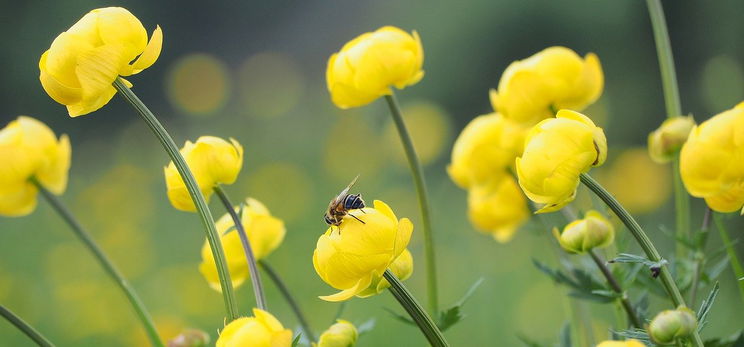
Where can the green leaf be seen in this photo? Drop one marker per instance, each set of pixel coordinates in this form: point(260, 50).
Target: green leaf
point(654, 266)
point(296, 340)
point(637, 334)
point(735, 340)
point(702, 315)
point(400, 317)
point(565, 337)
point(581, 282)
point(453, 315)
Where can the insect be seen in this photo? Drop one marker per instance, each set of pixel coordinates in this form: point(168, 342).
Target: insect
point(341, 204)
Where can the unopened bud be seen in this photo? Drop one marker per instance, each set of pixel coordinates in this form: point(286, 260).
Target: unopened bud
point(585, 234)
point(341, 334)
point(667, 140)
point(669, 325)
point(190, 338)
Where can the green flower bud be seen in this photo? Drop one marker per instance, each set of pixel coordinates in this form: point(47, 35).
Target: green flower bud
point(582, 235)
point(667, 140)
point(190, 338)
point(671, 324)
point(341, 334)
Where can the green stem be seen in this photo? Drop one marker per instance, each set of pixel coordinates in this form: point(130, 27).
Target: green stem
point(645, 243)
point(733, 259)
point(250, 258)
point(274, 276)
point(624, 301)
point(19, 323)
point(108, 266)
point(673, 109)
point(205, 215)
point(417, 313)
point(700, 255)
point(420, 183)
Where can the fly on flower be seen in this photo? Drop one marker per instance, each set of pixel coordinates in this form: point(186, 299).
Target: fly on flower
point(341, 204)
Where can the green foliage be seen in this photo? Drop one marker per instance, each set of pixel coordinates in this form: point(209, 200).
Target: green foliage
point(654, 266)
point(637, 334)
point(296, 341)
point(565, 337)
point(583, 284)
point(453, 314)
point(735, 340)
point(702, 315)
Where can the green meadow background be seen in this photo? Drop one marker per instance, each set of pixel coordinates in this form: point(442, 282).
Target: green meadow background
point(254, 70)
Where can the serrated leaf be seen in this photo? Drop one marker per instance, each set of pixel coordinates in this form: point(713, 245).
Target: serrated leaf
point(702, 316)
point(581, 282)
point(453, 315)
point(654, 266)
point(637, 334)
point(366, 327)
point(607, 293)
point(400, 317)
point(565, 337)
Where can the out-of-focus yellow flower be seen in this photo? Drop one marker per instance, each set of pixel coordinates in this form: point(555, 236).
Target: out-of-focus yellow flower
point(582, 235)
point(553, 79)
point(368, 66)
point(556, 152)
point(265, 233)
point(341, 334)
point(212, 160)
point(626, 343)
point(485, 150)
point(669, 325)
point(498, 208)
point(349, 257)
point(664, 142)
point(261, 330)
point(82, 63)
point(712, 161)
point(638, 183)
point(402, 268)
point(29, 149)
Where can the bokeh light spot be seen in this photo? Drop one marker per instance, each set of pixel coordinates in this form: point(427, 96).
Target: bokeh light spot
point(197, 84)
point(721, 84)
point(271, 84)
point(429, 126)
point(277, 183)
point(637, 182)
point(352, 148)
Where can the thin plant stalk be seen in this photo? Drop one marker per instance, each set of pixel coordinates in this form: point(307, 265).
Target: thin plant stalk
point(274, 277)
point(24, 327)
point(205, 215)
point(420, 183)
point(250, 258)
point(645, 242)
point(615, 285)
point(108, 266)
point(417, 313)
point(733, 259)
point(700, 256)
point(673, 108)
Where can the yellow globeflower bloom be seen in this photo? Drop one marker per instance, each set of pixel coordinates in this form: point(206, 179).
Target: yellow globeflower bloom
point(553, 79)
point(666, 141)
point(712, 161)
point(265, 233)
point(498, 208)
point(485, 149)
point(82, 63)
point(582, 235)
point(341, 334)
point(212, 160)
point(556, 152)
point(261, 330)
point(626, 343)
point(351, 256)
point(368, 66)
point(402, 268)
point(29, 149)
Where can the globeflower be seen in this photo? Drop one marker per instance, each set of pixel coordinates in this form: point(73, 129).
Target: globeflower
point(583, 235)
point(368, 66)
point(626, 343)
point(667, 140)
point(264, 231)
point(402, 268)
point(557, 150)
point(498, 208)
point(30, 150)
point(81, 65)
point(555, 78)
point(711, 163)
point(354, 254)
point(261, 330)
point(341, 334)
point(212, 160)
point(669, 325)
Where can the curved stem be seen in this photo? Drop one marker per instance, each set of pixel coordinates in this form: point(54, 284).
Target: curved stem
point(645, 243)
point(258, 291)
point(108, 266)
point(632, 315)
point(205, 215)
point(417, 313)
point(733, 259)
point(19, 323)
point(274, 276)
point(420, 183)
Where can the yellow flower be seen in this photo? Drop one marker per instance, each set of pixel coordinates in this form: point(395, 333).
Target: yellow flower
point(261, 330)
point(553, 79)
point(485, 149)
point(265, 233)
point(368, 66)
point(626, 343)
point(29, 149)
point(402, 268)
point(712, 161)
point(498, 207)
point(212, 160)
point(664, 142)
point(82, 63)
point(556, 152)
point(341, 334)
point(669, 325)
point(582, 235)
point(638, 183)
point(350, 257)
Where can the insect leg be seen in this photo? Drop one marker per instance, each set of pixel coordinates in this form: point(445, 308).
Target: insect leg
point(357, 218)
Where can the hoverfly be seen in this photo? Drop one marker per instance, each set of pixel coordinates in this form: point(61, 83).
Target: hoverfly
point(341, 204)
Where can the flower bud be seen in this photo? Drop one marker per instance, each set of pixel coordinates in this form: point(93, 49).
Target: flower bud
point(626, 343)
point(341, 334)
point(190, 338)
point(669, 325)
point(261, 330)
point(582, 235)
point(664, 142)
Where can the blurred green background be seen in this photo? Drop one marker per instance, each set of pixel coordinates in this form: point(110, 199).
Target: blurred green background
point(255, 71)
